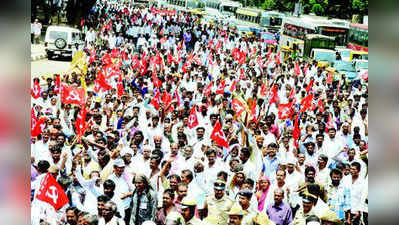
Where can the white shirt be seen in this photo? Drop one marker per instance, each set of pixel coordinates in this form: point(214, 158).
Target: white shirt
point(121, 187)
point(357, 189)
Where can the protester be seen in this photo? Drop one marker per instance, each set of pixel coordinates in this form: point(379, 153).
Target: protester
point(162, 106)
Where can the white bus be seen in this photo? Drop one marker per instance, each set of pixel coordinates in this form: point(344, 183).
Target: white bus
point(294, 30)
point(186, 4)
point(249, 16)
point(229, 8)
point(272, 21)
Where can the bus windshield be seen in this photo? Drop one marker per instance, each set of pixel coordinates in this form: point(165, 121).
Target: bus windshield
point(228, 9)
point(340, 34)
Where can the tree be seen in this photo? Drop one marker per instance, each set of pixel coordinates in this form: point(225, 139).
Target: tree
point(269, 4)
point(360, 7)
point(317, 9)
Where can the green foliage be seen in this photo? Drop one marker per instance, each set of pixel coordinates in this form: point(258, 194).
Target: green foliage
point(317, 9)
point(268, 4)
point(343, 9)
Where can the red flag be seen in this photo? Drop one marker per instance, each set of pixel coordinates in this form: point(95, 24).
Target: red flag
point(82, 22)
point(109, 25)
point(297, 70)
point(263, 90)
point(177, 97)
point(73, 95)
point(238, 106)
point(155, 100)
point(106, 59)
point(155, 80)
point(273, 95)
point(51, 192)
point(37, 125)
point(210, 43)
point(330, 77)
point(210, 59)
point(119, 86)
point(35, 90)
point(292, 95)
point(208, 89)
point(320, 105)
point(166, 98)
point(171, 59)
point(33, 120)
point(310, 85)
point(80, 123)
point(278, 58)
point(242, 76)
point(260, 62)
point(233, 86)
point(220, 88)
point(365, 75)
point(135, 62)
point(218, 135)
point(242, 58)
point(124, 55)
point(236, 53)
point(269, 52)
point(284, 111)
point(57, 85)
point(101, 83)
point(252, 104)
point(92, 57)
point(306, 103)
point(192, 119)
point(115, 53)
point(296, 132)
point(218, 45)
point(330, 123)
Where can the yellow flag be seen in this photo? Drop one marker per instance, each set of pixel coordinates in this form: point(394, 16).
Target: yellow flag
point(79, 63)
point(83, 83)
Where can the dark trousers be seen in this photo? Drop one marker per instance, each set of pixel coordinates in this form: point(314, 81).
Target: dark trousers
point(127, 215)
point(356, 221)
point(365, 218)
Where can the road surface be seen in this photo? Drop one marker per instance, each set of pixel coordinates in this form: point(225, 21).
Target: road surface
point(45, 66)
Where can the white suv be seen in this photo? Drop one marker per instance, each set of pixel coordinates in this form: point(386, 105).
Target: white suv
point(60, 40)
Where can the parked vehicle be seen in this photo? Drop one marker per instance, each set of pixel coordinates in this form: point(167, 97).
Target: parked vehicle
point(60, 40)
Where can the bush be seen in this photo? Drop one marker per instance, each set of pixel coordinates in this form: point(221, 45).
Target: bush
point(317, 9)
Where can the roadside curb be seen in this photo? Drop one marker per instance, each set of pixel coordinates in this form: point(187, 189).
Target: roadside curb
point(38, 57)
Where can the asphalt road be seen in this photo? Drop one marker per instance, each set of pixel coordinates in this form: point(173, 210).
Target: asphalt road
point(45, 66)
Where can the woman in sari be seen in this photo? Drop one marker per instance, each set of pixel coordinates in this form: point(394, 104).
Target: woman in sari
point(261, 192)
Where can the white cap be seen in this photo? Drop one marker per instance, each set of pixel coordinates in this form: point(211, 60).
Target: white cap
point(119, 163)
point(313, 223)
point(291, 160)
point(126, 150)
point(148, 222)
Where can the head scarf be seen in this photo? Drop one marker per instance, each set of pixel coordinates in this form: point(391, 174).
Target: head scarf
point(262, 199)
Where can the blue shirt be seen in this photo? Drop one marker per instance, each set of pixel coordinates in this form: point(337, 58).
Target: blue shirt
point(270, 165)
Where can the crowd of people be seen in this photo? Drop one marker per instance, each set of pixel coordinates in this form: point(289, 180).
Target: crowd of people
point(187, 122)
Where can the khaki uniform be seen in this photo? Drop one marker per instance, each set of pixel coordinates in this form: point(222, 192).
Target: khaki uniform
point(218, 208)
point(300, 217)
point(194, 221)
point(249, 216)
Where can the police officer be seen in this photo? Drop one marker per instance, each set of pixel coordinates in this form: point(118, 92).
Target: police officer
point(218, 204)
point(305, 211)
point(188, 211)
point(244, 200)
point(236, 215)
